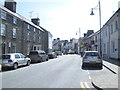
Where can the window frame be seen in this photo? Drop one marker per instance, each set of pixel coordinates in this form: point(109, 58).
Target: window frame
point(3, 15)
point(14, 20)
point(3, 29)
point(14, 33)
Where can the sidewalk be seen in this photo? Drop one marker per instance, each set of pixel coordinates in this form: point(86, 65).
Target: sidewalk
point(115, 64)
point(113, 61)
point(109, 79)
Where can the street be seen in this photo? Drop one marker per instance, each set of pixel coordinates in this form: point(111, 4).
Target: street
point(62, 72)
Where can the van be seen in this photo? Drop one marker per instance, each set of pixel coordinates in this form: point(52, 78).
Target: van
point(38, 56)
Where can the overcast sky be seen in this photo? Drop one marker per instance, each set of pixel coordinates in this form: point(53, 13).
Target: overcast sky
point(63, 18)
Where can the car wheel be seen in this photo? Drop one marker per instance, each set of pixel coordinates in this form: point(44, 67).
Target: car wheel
point(101, 67)
point(28, 63)
point(42, 60)
point(15, 66)
point(47, 59)
point(83, 65)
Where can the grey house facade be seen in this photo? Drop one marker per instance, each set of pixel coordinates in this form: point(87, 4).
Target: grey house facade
point(18, 34)
point(47, 40)
point(11, 31)
point(111, 37)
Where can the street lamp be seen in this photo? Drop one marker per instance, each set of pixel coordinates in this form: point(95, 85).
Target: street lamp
point(92, 13)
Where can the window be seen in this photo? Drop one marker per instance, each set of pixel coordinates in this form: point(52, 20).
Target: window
point(28, 26)
point(6, 56)
point(17, 56)
point(106, 31)
point(104, 47)
point(39, 39)
point(14, 32)
point(92, 54)
point(3, 15)
point(28, 36)
point(22, 56)
point(111, 29)
point(95, 38)
point(116, 25)
point(34, 30)
point(14, 48)
point(113, 46)
point(39, 32)
point(34, 37)
point(14, 20)
point(3, 30)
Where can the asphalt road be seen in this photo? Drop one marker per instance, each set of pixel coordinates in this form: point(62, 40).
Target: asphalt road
point(62, 72)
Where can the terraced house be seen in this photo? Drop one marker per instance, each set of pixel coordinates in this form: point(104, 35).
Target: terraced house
point(18, 34)
point(111, 37)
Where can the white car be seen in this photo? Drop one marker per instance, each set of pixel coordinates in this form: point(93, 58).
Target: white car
point(91, 58)
point(14, 60)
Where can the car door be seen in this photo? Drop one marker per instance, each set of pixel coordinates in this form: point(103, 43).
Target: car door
point(18, 59)
point(24, 61)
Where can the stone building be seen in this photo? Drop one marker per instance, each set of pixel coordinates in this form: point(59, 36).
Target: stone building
point(18, 34)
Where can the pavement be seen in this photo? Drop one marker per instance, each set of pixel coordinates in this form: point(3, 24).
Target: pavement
point(110, 79)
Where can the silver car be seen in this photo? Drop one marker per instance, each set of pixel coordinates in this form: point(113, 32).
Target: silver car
point(14, 60)
point(92, 58)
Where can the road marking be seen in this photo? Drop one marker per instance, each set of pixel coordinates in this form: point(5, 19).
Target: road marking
point(88, 72)
point(89, 77)
point(85, 86)
point(82, 85)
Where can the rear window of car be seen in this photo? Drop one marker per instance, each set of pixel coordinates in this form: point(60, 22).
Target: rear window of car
point(5, 56)
point(92, 54)
point(33, 53)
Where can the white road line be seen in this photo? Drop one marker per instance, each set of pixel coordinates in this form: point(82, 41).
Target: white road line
point(88, 73)
point(86, 85)
point(82, 85)
point(89, 77)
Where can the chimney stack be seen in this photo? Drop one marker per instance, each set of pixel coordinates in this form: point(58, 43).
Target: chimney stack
point(11, 5)
point(36, 21)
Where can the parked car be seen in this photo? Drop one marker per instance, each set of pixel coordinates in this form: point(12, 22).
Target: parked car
point(14, 60)
point(92, 58)
point(71, 52)
point(52, 55)
point(38, 56)
point(58, 53)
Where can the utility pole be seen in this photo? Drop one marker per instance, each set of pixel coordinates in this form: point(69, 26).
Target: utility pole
point(79, 41)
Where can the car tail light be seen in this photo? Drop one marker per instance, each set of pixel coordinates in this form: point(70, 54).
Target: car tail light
point(9, 61)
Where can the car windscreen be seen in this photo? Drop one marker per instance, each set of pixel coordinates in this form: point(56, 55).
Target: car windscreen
point(33, 53)
point(92, 54)
point(5, 56)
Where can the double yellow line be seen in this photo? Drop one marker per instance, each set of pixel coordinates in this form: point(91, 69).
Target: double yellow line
point(84, 85)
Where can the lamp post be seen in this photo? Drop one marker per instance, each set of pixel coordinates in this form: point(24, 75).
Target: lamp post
point(78, 41)
point(92, 13)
